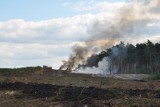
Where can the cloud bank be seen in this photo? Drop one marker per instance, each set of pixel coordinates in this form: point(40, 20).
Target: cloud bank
point(31, 43)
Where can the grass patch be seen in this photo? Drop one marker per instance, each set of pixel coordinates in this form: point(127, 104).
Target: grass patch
point(154, 77)
point(19, 71)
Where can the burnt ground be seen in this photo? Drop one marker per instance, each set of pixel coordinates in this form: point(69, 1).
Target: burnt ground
point(77, 91)
point(76, 95)
point(70, 93)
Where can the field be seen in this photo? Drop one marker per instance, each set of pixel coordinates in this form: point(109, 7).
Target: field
point(21, 88)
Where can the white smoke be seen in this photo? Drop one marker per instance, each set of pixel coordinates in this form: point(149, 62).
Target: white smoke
point(127, 24)
point(103, 68)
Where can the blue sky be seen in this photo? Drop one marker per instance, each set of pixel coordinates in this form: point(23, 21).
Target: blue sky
point(33, 9)
point(38, 9)
point(42, 32)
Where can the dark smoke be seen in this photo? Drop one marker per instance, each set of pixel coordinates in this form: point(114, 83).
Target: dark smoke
point(79, 56)
point(127, 23)
point(81, 53)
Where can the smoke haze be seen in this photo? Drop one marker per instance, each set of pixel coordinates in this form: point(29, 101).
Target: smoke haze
point(126, 24)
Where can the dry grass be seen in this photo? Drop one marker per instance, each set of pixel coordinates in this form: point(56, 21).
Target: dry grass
point(14, 98)
point(84, 81)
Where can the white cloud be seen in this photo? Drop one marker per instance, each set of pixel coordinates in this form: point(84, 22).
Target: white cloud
point(94, 5)
point(30, 54)
point(65, 4)
point(25, 43)
point(54, 30)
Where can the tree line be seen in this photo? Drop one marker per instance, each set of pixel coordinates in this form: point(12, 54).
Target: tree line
point(129, 58)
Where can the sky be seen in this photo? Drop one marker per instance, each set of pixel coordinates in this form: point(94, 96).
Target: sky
point(36, 10)
point(42, 32)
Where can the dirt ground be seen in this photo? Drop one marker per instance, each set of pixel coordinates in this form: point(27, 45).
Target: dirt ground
point(77, 91)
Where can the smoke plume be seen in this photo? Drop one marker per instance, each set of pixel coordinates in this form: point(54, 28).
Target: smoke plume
point(127, 23)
